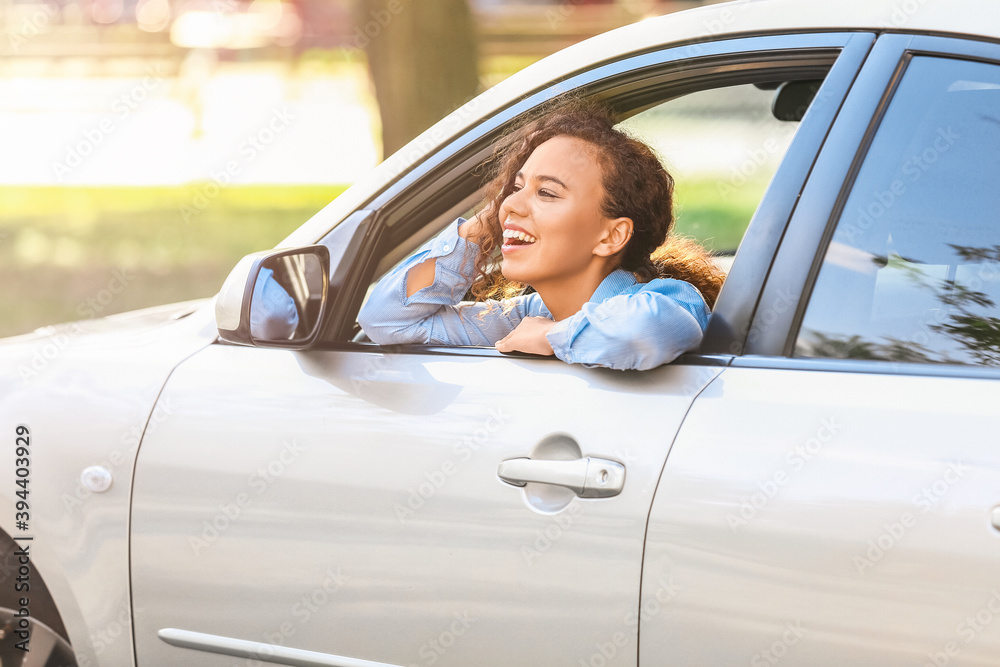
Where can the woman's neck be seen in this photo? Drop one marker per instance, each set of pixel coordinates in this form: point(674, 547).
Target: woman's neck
point(566, 296)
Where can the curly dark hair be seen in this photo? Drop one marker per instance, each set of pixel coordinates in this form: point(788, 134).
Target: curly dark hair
point(636, 186)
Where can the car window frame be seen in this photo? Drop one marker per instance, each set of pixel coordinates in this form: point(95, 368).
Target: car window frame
point(785, 296)
point(632, 84)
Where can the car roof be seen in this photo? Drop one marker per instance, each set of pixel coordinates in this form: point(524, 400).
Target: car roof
point(977, 18)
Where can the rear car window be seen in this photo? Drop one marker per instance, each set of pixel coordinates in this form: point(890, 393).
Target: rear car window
point(912, 272)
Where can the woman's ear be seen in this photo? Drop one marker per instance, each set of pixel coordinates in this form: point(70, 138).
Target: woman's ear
point(617, 234)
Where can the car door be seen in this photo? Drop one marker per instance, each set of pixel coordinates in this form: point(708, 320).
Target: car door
point(831, 497)
point(342, 504)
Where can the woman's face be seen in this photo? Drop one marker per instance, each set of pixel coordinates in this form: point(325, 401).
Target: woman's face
point(557, 206)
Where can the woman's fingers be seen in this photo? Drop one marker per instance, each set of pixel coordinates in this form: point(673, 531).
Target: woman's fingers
point(528, 336)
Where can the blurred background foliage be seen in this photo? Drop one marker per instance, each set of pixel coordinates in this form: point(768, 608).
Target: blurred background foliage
point(152, 143)
point(62, 247)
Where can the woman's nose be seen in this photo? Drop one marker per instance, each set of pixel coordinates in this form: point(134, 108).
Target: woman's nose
point(513, 204)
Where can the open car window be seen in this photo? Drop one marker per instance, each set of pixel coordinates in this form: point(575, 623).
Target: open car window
point(722, 147)
point(722, 144)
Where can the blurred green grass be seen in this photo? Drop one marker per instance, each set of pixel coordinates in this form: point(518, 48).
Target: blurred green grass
point(64, 252)
point(71, 253)
point(716, 216)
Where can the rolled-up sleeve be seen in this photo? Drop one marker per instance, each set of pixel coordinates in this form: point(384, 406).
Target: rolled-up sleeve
point(434, 314)
point(639, 330)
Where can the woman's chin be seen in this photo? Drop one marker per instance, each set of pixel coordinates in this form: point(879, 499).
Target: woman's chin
point(513, 275)
point(509, 273)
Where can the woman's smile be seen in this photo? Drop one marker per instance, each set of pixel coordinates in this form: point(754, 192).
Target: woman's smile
point(516, 239)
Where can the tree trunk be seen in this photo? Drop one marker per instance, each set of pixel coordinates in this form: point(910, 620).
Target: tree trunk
point(422, 55)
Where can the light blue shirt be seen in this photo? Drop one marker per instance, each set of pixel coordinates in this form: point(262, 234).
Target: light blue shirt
point(624, 325)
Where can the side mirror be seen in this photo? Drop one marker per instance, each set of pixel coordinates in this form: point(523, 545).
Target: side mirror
point(275, 298)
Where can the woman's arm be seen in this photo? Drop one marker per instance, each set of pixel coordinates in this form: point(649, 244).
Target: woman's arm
point(422, 275)
point(418, 301)
point(650, 326)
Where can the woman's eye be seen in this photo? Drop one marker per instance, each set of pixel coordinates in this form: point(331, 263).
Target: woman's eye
point(546, 193)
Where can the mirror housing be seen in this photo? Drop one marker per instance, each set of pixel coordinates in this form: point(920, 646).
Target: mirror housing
point(275, 298)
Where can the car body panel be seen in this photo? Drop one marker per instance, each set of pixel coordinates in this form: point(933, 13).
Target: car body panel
point(87, 391)
point(367, 483)
point(830, 517)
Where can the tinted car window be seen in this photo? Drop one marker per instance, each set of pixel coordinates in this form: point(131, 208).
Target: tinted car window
point(912, 272)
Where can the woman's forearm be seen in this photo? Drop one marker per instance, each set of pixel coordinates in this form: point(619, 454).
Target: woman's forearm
point(638, 330)
point(393, 315)
point(422, 275)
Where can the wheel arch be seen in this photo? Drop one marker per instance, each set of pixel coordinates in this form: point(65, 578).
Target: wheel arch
point(43, 606)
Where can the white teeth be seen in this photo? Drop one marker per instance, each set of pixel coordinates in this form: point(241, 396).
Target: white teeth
point(514, 234)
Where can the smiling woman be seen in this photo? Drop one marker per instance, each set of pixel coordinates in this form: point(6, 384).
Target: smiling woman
point(582, 213)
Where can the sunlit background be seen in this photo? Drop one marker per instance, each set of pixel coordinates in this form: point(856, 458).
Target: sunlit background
point(149, 144)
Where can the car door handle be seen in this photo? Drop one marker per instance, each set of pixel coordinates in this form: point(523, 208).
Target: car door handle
point(587, 477)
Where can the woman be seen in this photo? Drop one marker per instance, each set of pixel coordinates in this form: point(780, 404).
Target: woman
point(581, 212)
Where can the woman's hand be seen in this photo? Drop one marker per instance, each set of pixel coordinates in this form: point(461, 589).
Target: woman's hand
point(471, 226)
point(528, 336)
point(474, 226)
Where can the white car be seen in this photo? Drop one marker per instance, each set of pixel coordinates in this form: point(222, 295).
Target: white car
point(817, 485)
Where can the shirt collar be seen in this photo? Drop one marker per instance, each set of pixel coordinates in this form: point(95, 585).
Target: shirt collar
point(615, 283)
